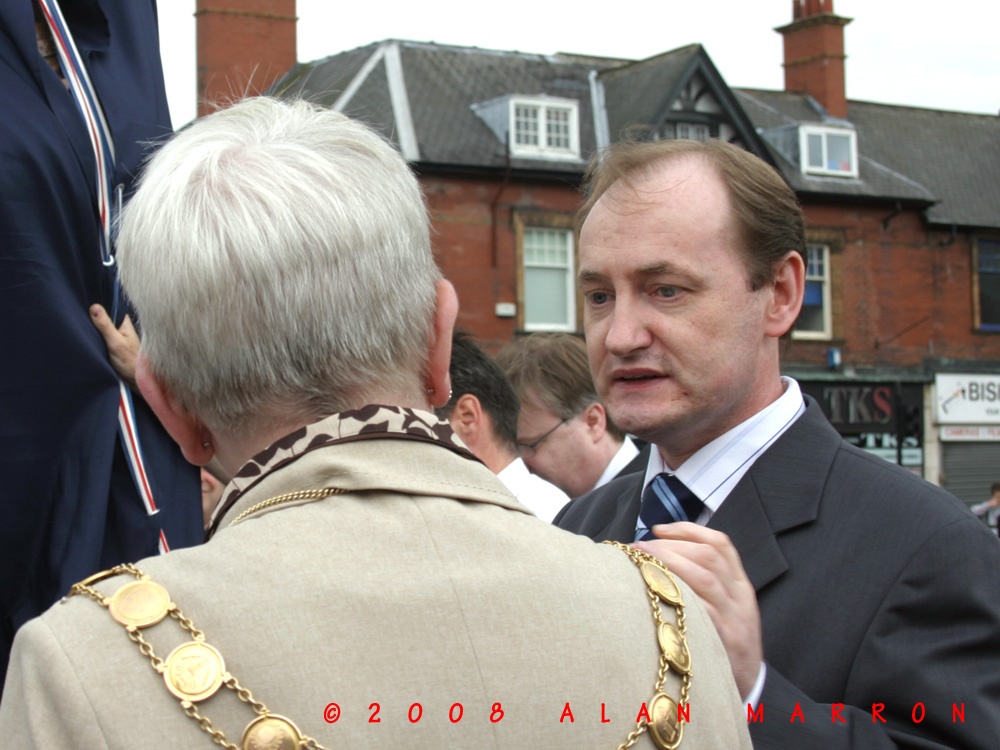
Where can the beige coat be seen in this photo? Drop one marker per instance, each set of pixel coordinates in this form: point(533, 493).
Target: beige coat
point(424, 583)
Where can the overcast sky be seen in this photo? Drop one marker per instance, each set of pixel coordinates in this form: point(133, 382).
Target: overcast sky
point(925, 53)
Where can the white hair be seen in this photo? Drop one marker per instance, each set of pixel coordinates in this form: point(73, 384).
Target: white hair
point(278, 256)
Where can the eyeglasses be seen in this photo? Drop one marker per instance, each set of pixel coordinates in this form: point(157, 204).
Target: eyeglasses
point(529, 448)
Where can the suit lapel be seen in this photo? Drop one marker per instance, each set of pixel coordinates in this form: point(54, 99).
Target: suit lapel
point(780, 492)
point(621, 520)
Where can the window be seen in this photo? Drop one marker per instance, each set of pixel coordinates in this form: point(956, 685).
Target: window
point(828, 151)
point(814, 320)
point(988, 285)
point(545, 128)
point(549, 289)
point(684, 131)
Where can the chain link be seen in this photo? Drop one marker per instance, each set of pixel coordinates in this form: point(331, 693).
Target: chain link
point(146, 649)
point(287, 498)
point(639, 557)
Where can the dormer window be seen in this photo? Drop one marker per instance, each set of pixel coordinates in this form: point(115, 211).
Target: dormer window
point(828, 151)
point(544, 128)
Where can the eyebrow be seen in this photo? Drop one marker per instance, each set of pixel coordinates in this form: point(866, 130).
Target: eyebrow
point(652, 269)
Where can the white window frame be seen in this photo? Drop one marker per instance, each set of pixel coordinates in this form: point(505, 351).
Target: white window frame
point(570, 268)
point(824, 280)
point(805, 131)
point(543, 150)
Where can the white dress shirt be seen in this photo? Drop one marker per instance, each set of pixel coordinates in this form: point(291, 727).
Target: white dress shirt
point(619, 461)
point(542, 498)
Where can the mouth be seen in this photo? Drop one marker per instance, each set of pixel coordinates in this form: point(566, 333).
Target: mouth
point(636, 376)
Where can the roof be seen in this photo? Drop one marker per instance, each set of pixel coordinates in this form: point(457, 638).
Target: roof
point(433, 99)
point(950, 161)
point(444, 106)
point(441, 84)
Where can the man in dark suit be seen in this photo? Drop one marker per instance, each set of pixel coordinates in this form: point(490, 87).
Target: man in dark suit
point(69, 503)
point(564, 432)
point(858, 603)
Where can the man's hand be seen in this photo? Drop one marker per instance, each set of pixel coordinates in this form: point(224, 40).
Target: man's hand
point(706, 561)
point(122, 343)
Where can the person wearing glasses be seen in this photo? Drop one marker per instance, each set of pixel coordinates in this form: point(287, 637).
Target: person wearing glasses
point(583, 449)
point(483, 412)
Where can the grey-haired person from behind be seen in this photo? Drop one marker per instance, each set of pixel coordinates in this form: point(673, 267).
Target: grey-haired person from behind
point(367, 582)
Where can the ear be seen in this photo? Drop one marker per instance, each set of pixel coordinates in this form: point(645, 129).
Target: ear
point(183, 426)
point(596, 420)
point(439, 354)
point(786, 295)
point(466, 418)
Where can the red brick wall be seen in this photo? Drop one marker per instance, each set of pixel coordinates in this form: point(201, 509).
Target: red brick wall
point(474, 243)
point(901, 294)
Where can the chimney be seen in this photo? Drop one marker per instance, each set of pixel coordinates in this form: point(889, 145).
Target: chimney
point(243, 47)
point(814, 54)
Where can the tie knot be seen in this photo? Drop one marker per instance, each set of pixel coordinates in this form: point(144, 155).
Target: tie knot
point(666, 500)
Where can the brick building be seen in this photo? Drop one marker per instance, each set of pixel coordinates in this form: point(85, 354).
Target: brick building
point(899, 336)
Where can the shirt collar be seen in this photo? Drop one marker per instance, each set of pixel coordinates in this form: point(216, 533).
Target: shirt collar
point(713, 470)
point(619, 461)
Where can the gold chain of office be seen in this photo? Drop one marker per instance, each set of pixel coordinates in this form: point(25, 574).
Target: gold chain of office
point(663, 722)
point(195, 671)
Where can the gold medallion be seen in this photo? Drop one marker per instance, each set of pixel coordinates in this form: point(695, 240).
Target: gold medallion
point(194, 671)
point(140, 604)
point(662, 583)
point(271, 732)
point(664, 727)
point(674, 647)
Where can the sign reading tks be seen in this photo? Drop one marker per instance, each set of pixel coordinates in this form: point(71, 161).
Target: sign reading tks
point(883, 418)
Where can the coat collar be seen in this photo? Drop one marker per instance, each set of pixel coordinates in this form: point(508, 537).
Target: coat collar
point(377, 447)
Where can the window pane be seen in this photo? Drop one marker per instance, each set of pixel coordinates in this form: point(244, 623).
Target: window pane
point(989, 283)
point(816, 263)
point(557, 127)
point(838, 150)
point(810, 319)
point(546, 296)
point(814, 317)
point(815, 142)
point(526, 125)
point(548, 247)
point(813, 294)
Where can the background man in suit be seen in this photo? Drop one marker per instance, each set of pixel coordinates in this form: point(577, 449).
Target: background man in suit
point(585, 449)
point(363, 565)
point(833, 577)
point(483, 412)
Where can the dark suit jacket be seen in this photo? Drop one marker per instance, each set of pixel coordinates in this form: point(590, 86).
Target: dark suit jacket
point(638, 463)
point(68, 502)
point(874, 587)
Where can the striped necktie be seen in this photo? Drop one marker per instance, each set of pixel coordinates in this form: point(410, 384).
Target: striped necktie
point(666, 500)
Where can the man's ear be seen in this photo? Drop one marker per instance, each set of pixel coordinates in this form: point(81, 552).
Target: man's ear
point(466, 418)
point(596, 419)
point(194, 439)
point(439, 355)
point(787, 293)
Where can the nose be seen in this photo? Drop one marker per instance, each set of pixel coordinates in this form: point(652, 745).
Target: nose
point(627, 329)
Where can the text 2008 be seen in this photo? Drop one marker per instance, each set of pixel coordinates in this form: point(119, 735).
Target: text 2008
point(456, 712)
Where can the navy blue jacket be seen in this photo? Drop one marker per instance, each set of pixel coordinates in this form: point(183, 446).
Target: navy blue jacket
point(68, 503)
